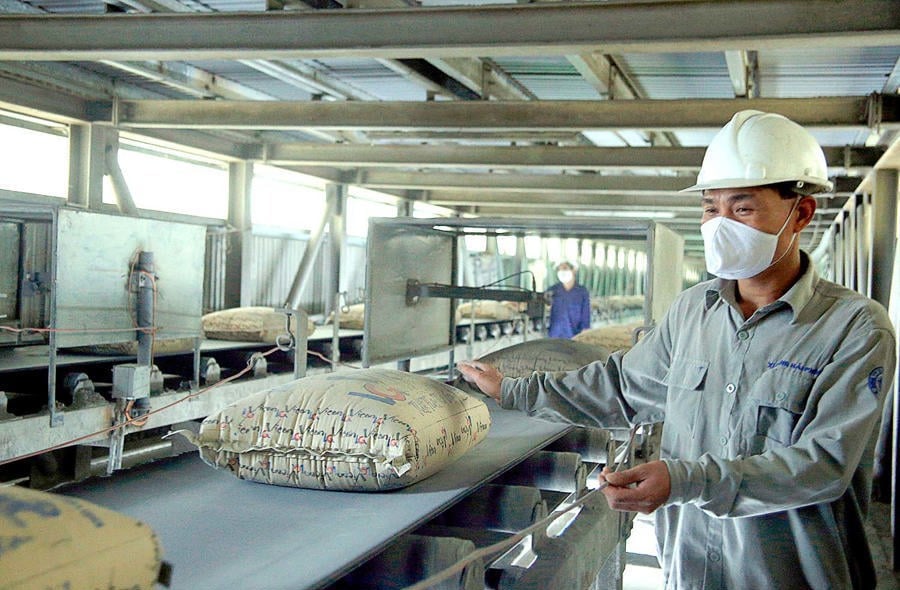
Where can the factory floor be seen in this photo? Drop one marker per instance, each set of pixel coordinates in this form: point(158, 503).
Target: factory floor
point(642, 543)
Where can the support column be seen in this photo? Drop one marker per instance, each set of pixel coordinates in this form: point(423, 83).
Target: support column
point(336, 195)
point(405, 208)
point(884, 214)
point(524, 279)
point(87, 164)
point(240, 177)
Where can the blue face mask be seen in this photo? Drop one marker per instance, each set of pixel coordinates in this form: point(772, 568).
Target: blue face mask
point(735, 250)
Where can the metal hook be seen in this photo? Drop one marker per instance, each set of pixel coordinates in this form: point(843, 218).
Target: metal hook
point(286, 342)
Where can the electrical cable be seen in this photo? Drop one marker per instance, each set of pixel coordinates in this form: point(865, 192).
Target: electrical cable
point(500, 280)
point(142, 420)
point(133, 421)
point(512, 276)
point(138, 421)
point(331, 362)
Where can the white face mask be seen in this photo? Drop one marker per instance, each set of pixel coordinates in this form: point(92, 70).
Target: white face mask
point(565, 276)
point(735, 250)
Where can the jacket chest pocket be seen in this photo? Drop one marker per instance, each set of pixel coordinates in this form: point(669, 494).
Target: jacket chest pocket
point(777, 400)
point(684, 381)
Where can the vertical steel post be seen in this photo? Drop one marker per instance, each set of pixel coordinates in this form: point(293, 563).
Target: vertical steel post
point(884, 215)
point(87, 164)
point(240, 176)
point(884, 240)
point(300, 343)
point(56, 418)
point(336, 195)
point(146, 295)
point(870, 240)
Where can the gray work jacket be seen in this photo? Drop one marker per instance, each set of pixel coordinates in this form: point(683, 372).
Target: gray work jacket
point(769, 431)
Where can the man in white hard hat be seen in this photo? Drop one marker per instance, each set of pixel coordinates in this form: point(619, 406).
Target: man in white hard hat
point(770, 380)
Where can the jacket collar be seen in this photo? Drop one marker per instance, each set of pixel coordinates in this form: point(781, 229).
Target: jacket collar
point(796, 297)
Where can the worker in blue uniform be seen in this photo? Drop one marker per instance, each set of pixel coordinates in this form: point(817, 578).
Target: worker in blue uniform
point(770, 380)
point(570, 304)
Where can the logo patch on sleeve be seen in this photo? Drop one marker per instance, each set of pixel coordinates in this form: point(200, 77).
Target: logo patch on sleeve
point(875, 380)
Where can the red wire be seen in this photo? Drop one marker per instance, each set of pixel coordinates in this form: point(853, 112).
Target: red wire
point(134, 421)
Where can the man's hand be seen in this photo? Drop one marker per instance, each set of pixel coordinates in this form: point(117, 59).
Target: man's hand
point(485, 376)
point(652, 489)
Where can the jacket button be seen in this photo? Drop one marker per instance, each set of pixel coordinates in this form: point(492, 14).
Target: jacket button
point(730, 388)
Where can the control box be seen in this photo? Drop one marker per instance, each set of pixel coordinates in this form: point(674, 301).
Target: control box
point(131, 381)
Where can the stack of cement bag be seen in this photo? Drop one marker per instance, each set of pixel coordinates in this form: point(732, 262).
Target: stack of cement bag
point(488, 310)
point(352, 317)
point(612, 338)
point(249, 324)
point(615, 306)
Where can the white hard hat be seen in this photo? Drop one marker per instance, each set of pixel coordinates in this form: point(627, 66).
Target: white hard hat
point(756, 149)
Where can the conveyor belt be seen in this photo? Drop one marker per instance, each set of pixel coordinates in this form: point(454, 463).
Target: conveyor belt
point(36, 356)
point(221, 532)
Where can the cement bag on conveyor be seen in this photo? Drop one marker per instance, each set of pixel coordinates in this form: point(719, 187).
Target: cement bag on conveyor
point(53, 541)
point(366, 430)
point(488, 310)
point(618, 337)
point(544, 355)
point(130, 347)
point(352, 317)
point(249, 324)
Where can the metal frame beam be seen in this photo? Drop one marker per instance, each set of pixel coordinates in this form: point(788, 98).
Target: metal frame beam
point(41, 102)
point(653, 202)
point(685, 26)
point(824, 112)
point(527, 183)
point(512, 157)
point(537, 183)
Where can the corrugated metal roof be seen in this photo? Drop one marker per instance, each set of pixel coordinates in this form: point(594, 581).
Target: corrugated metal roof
point(373, 77)
point(679, 75)
point(549, 78)
point(829, 72)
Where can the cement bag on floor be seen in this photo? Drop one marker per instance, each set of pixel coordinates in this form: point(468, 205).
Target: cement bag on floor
point(618, 337)
point(352, 317)
point(365, 430)
point(53, 541)
point(249, 324)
